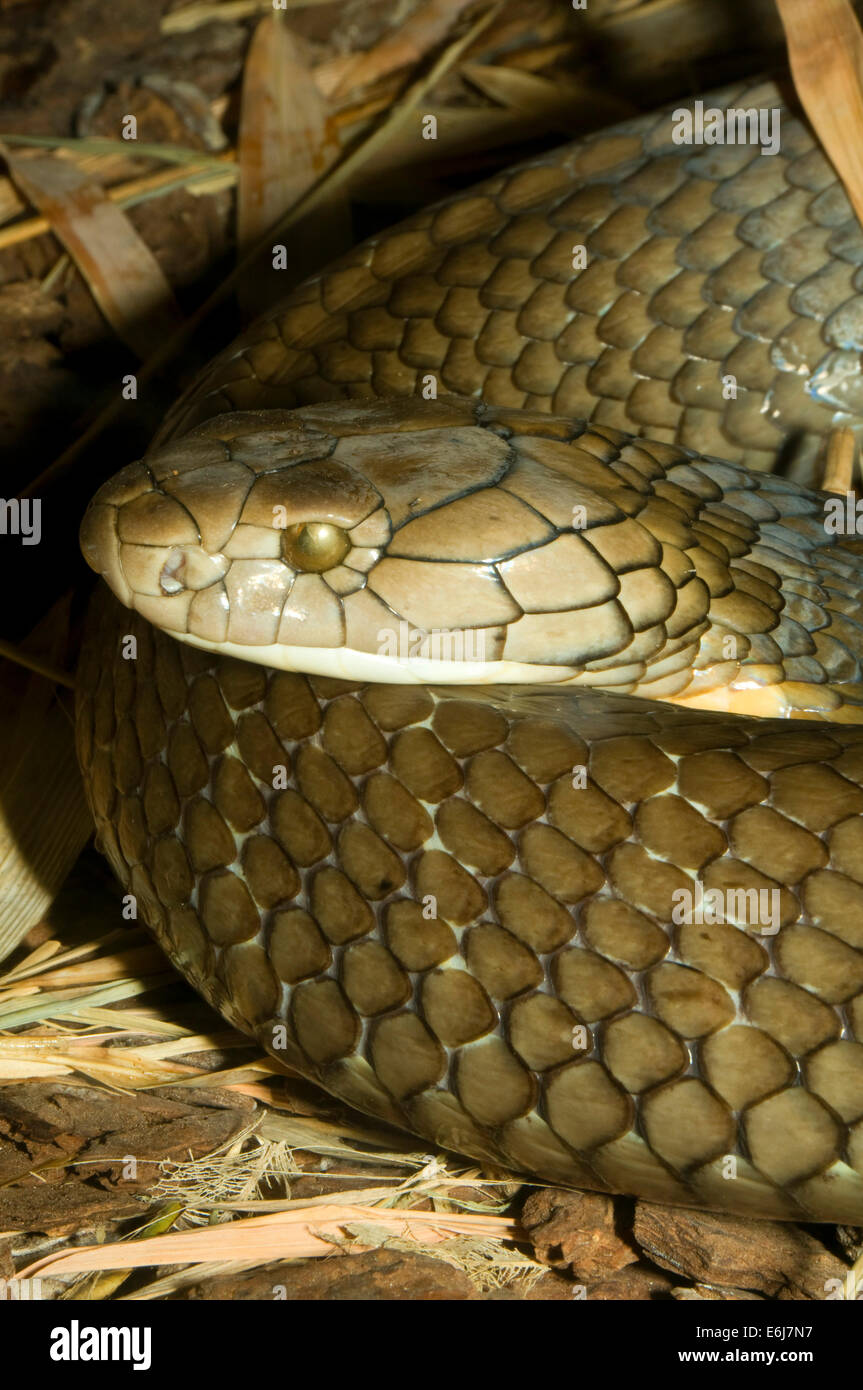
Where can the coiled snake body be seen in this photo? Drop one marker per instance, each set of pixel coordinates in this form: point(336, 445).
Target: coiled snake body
point(579, 923)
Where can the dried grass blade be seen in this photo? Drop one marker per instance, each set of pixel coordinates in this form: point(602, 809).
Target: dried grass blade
point(613, 10)
point(31, 1069)
point(119, 1067)
point(191, 1042)
point(462, 130)
point(538, 97)
point(43, 959)
point(37, 959)
point(21, 657)
point(223, 11)
point(282, 1235)
point(122, 149)
point(122, 274)
point(334, 1138)
point(207, 178)
point(124, 1019)
point(234, 1076)
point(286, 144)
point(138, 961)
point(14, 1014)
point(20, 1044)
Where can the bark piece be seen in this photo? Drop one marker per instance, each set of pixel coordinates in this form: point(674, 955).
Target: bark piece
point(46, 1126)
point(67, 1208)
point(377, 1276)
point(767, 1257)
point(577, 1231)
point(637, 1282)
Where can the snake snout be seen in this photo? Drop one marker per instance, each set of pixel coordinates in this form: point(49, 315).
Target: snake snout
point(98, 534)
point(148, 548)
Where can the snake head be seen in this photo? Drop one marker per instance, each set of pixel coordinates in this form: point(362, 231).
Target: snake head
point(243, 536)
point(317, 539)
point(398, 540)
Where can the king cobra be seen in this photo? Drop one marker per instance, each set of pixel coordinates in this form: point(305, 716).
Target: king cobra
point(496, 759)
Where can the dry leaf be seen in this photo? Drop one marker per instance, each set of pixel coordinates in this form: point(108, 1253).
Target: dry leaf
point(286, 145)
point(825, 51)
point(122, 273)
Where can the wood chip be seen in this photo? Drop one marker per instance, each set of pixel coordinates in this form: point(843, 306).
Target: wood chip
point(65, 1149)
point(379, 1275)
point(577, 1231)
point(637, 1283)
point(767, 1257)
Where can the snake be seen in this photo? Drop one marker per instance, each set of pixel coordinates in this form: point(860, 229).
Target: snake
point(475, 720)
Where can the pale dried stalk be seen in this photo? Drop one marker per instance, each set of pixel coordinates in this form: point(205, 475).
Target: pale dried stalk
point(404, 47)
point(841, 457)
point(282, 1235)
point(224, 11)
point(21, 657)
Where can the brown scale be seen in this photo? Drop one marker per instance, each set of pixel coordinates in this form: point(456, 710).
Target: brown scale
point(697, 267)
point(456, 939)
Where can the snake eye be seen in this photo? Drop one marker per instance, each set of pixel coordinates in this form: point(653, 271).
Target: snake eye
point(315, 546)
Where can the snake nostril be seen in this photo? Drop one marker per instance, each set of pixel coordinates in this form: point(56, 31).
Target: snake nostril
point(171, 575)
point(315, 546)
